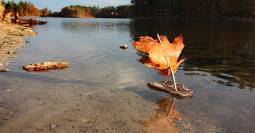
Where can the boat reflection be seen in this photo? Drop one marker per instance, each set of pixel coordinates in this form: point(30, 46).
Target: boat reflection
point(163, 121)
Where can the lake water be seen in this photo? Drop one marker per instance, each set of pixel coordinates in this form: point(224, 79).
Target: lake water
point(105, 87)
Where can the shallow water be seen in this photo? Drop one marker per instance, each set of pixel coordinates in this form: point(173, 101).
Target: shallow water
point(109, 84)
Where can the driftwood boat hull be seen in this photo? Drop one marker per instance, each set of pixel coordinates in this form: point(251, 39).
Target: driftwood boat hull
point(168, 86)
point(46, 66)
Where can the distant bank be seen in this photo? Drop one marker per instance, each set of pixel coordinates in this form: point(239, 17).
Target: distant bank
point(145, 9)
point(78, 11)
point(24, 8)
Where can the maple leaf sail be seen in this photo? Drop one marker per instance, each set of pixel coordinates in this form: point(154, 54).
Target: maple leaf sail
point(145, 44)
point(162, 55)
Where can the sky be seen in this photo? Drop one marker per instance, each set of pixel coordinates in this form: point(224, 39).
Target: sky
point(56, 5)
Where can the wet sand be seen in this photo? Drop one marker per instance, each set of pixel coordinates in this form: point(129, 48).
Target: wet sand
point(59, 107)
point(64, 108)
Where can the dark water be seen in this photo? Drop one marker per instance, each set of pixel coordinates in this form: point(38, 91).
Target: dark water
point(219, 67)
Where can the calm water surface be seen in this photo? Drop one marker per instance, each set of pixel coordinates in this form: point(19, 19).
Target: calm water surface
point(219, 67)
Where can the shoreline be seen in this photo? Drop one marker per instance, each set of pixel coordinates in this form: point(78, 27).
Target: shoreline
point(12, 39)
point(205, 19)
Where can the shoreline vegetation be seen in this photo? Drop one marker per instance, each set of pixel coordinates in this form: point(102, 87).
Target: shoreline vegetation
point(24, 8)
point(78, 11)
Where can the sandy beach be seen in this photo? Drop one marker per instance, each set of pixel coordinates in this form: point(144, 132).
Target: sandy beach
point(12, 38)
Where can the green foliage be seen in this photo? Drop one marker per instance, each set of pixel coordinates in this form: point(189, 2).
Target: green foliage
point(76, 11)
point(108, 11)
point(11, 6)
point(45, 12)
point(119, 11)
point(125, 10)
point(94, 11)
point(24, 8)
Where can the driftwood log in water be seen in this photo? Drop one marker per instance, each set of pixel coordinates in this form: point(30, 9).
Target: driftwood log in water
point(46, 66)
point(31, 22)
point(168, 86)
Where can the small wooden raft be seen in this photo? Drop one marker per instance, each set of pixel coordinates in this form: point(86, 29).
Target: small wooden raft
point(46, 66)
point(168, 86)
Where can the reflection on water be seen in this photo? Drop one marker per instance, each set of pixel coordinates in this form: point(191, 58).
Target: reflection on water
point(163, 121)
point(220, 63)
point(92, 25)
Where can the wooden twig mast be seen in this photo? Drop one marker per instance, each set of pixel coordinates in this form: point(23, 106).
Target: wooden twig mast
point(170, 67)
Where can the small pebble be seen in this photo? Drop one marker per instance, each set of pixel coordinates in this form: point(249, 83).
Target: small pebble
point(52, 126)
point(5, 70)
point(188, 126)
point(124, 46)
point(8, 90)
point(83, 120)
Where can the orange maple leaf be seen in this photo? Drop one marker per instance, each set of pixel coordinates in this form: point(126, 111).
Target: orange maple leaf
point(162, 54)
point(145, 44)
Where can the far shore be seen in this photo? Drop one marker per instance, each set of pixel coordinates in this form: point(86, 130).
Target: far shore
point(244, 19)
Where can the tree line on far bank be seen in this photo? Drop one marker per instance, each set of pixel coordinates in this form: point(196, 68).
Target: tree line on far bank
point(24, 8)
point(94, 11)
